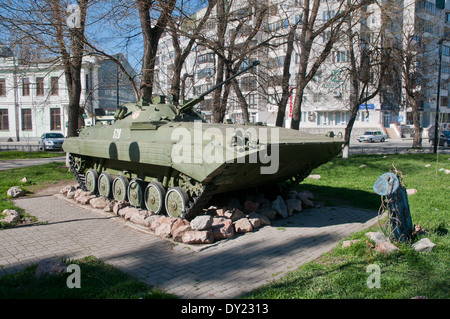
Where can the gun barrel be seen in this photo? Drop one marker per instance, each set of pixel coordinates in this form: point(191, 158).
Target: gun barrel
point(200, 98)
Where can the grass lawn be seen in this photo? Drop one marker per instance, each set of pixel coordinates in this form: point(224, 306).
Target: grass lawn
point(343, 273)
point(9, 155)
point(37, 176)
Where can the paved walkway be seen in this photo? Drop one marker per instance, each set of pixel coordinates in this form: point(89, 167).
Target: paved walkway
point(227, 269)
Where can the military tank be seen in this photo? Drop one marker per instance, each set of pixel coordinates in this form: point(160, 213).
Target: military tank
point(167, 159)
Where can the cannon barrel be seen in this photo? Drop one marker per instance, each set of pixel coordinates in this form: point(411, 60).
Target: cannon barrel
point(189, 105)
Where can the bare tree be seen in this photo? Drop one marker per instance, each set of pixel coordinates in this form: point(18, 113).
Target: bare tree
point(312, 27)
point(190, 28)
point(414, 54)
point(367, 67)
point(234, 46)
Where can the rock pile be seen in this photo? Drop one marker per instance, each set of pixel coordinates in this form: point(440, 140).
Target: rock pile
point(217, 223)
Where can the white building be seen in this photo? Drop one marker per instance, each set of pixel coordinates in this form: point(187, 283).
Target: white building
point(326, 101)
point(34, 97)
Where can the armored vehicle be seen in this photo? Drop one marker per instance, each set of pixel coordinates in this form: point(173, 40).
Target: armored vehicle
point(166, 158)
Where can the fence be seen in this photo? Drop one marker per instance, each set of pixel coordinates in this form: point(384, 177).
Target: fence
point(19, 147)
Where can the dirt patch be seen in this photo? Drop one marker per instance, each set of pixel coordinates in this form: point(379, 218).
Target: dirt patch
point(51, 188)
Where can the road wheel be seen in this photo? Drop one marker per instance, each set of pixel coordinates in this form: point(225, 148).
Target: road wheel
point(370, 140)
point(119, 187)
point(154, 197)
point(91, 179)
point(105, 184)
point(382, 140)
point(176, 201)
point(136, 192)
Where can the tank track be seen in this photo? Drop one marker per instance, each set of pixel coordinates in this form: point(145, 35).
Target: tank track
point(195, 206)
point(78, 176)
point(198, 203)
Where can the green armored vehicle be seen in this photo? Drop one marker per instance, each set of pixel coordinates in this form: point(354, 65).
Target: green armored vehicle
point(166, 158)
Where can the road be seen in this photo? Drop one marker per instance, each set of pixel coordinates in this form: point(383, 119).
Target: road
point(16, 163)
point(391, 146)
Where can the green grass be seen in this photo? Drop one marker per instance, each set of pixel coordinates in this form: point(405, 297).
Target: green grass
point(37, 176)
point(97, 280)
point(9, 155)
point(342, 273)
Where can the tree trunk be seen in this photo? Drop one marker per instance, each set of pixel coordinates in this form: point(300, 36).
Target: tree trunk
point(286, 92)
point(72, 64)
point(151, 35)
point(242, 101)
point(417, 141)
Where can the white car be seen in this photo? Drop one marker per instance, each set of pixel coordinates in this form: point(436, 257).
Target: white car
point(372, 136)
point(51, 141)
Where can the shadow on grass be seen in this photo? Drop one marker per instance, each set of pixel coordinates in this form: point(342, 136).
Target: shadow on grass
point(98, 281)
point(339, 196)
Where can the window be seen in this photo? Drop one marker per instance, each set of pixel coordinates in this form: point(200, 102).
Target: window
point(25, 86)
point(55, 119)
point(248, 83)
point(205, 73)
point(39, 86)
point(446, 50)
point(54, 85)
point(275, 26)
point(2, 87)
point(204, 58)
point(26, 120)
point(252, 100)
point(317, 97)
point(87, 83)
point(364, 116)
point(4, 122)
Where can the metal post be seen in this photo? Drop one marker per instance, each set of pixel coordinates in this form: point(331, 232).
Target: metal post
point(438, 100)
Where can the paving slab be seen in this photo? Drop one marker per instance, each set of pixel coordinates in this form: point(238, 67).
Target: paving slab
point(226, 269)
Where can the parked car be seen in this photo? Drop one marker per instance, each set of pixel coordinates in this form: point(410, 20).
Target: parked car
point(51, 141)
point(444, 139)
point(372, 136)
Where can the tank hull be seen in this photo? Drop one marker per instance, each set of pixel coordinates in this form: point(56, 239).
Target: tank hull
point(204, 152)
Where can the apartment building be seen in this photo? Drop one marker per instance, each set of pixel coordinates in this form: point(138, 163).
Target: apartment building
point(326, 100)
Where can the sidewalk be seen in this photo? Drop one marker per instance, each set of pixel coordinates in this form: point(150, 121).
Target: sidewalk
point(226, 269)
